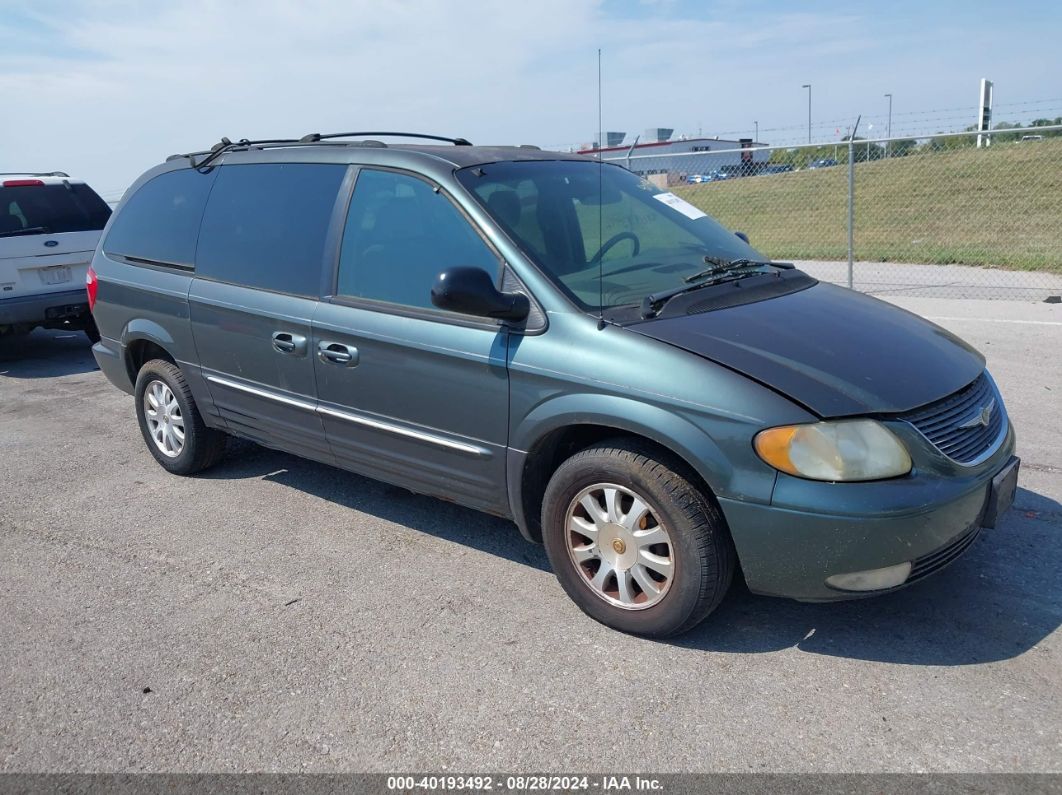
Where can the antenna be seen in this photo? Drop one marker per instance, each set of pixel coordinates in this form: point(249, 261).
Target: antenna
point(600, 197)
point(600, 125)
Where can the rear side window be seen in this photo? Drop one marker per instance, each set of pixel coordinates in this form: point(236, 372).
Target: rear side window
point(265, 225)
point(160, 221)
point(51, 209)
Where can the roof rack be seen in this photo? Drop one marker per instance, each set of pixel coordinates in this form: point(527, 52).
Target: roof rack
point(315, 137)
point(36, 174)
point(224, 145)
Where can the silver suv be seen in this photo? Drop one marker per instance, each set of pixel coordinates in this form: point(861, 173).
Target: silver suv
point(49, 227)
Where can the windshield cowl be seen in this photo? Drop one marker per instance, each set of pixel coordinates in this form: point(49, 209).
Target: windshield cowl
point(748, 289)
point(721, 273)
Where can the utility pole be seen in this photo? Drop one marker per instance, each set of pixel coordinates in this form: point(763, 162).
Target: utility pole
point(757, 138)
point(888, 129)
point(851, 201)
point(808, 87)
point(984, 113)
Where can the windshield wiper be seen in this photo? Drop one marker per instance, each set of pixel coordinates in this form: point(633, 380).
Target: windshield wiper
point(722, 271)
point(722, 267)
point(29, 230)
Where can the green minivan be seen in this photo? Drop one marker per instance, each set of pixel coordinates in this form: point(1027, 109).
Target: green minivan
point(557, 341)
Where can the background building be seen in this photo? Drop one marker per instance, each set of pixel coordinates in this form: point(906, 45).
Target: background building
point(654, 155)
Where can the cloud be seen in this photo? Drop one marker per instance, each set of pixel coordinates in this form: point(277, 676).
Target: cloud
point(105, 89)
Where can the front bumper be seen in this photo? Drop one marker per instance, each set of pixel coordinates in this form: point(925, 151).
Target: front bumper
point(791, 553)
point(43, 308)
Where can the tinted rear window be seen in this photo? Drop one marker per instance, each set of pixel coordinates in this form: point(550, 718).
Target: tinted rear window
point(160, 221)
point(265, 225)
point(51, 209)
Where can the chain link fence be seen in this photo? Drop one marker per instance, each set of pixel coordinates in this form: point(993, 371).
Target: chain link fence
point(944, 215)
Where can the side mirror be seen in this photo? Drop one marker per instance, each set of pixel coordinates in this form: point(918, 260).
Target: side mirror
point(743, 236)
point(471, 291)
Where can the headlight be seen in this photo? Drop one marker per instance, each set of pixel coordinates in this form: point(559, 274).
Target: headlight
point(841, 450)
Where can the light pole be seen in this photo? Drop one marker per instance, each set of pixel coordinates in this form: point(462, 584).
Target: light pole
point(757, 139)
point(808, 87)
point(888, 129)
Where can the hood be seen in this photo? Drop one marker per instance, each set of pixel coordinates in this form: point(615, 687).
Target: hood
point(835, 351)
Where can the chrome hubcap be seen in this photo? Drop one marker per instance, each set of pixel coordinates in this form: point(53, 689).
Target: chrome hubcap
point(164, 420)
point(617, 543)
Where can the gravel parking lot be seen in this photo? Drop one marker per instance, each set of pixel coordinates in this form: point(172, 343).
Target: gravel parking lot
point(276, 614)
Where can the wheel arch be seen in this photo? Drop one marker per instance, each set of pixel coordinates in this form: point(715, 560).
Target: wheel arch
point(142, 341)
point(548, 439)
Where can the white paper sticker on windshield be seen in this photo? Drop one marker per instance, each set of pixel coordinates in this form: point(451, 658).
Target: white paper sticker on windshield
point(683, 206)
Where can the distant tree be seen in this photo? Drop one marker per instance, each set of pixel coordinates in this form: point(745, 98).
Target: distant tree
point(1047, 123)
point(782, 155)
point(800, 158)
point(1003, 138)
point(951, 142)
point(902, 147)
point(862, 150)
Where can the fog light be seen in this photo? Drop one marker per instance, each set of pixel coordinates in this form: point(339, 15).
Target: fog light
point(872, 580)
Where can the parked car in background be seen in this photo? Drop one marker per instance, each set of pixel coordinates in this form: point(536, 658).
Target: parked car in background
point(823, 162)
point(49, 227)
point(731, 171)
point(747, 169)
point(557, 341)
point(1026, 138)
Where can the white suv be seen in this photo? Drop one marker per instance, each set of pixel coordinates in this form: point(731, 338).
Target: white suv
point(49, 227)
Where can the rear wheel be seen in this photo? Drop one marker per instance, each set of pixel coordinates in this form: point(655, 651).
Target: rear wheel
point(634, 542)
point(170, 422)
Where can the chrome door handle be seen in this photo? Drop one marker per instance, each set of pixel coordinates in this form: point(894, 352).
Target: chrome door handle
point(337, 353)
point(295, 344)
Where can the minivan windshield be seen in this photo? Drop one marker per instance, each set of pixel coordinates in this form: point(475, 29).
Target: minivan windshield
point(605, 236)
point(51, 209)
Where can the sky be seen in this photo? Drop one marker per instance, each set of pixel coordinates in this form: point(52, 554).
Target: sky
point(104, 89)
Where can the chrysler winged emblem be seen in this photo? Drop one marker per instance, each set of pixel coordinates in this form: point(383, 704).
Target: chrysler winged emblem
point(982, 417)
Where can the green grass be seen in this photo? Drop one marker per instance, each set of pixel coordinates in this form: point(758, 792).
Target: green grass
point(997, 207)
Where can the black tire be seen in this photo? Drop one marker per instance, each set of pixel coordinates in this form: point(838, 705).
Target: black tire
point(701, 547)
point(91, 331)
point(203, 446)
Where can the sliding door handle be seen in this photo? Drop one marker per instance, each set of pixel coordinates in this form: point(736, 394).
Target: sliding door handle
point(337, 353)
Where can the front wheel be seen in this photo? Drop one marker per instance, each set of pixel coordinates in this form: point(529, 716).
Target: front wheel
point(634, 542)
